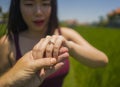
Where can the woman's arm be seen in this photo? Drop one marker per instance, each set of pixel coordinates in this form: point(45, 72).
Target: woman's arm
point(81, 50)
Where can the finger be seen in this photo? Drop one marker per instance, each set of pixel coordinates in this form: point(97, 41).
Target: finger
point(42, 47)
point(44, 62)
point(60, 59)
point(63, 50)
point(58, 66)
point(57, 46)
point(42, 73)
point(49, 48)
point(55, 68)
point(50, 71)
point(36, 49)
point(48, 52)
point(63, 57)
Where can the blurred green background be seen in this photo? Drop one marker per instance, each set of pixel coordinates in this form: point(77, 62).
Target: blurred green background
point(106, 40)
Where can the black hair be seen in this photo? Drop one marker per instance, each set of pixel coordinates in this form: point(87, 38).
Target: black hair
point(16, 24)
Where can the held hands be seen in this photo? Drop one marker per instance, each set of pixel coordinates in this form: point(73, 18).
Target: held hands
point(51, 47)
point(47, 56)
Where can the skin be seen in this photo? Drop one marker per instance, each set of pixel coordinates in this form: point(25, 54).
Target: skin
point(27, 72)
point(36, 10)
point(39, 51)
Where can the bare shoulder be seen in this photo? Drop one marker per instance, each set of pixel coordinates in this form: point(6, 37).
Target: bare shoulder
point(4, 42)
point(72, 35)
point(4, 52)
point(4, 46)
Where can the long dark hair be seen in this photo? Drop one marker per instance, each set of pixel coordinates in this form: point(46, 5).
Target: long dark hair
point(16, 23)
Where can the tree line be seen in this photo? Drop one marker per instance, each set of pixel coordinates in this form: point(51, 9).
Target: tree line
point(3, 16)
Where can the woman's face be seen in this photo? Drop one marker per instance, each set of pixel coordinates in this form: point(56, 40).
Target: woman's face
point(36, 13)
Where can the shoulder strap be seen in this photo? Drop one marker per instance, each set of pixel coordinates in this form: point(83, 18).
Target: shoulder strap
point(17, 48)
point(59, 31)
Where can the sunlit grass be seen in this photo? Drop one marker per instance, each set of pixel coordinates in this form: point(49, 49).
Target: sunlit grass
point(106, 40)
point(2, 29)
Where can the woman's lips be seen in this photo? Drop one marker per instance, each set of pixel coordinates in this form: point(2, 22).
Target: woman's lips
point(39, 22)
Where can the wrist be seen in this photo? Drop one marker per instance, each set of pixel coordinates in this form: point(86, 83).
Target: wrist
point(8, 79)
point(4, 82)
point(69, 45)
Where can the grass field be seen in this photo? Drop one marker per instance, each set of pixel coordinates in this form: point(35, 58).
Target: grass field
point(107, 40)
point(2, 29)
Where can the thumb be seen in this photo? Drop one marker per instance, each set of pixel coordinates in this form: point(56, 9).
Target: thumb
point(44, 62)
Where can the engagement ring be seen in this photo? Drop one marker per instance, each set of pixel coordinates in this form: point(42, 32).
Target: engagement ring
point(51, 42)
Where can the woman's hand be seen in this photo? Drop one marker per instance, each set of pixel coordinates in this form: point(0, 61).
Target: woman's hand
point(54, 45)
point(49, 47)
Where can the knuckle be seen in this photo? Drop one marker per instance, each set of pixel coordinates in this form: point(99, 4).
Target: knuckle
point(48, 50)
point(35, 47)
point(56, 47)
point(48, 36)
point(42, 39)
point(34, 50)
point(60, 36)
point(54, 36)
point(40, 50)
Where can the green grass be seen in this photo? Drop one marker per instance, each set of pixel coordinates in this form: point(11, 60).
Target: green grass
point(106, 40)
point(2, 29)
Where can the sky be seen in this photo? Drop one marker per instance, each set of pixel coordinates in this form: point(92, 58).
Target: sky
point(81, 10)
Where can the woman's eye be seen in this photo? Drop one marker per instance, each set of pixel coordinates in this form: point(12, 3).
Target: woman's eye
point(46, 4)
point(28, 4)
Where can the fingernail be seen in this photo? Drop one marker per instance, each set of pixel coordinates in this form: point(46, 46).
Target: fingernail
point(53, 61)
point(62, 64)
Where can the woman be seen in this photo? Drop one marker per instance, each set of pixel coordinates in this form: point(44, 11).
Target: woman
point(31, 21)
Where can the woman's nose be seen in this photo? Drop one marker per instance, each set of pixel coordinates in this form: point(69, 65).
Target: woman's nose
point(39, 10)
